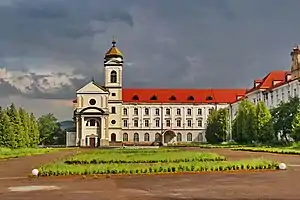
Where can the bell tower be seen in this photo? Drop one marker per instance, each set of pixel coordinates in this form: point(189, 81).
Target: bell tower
point(113, 68)
point(295, 69)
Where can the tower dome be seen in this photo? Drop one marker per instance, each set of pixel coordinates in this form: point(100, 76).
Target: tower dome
point(113, 51)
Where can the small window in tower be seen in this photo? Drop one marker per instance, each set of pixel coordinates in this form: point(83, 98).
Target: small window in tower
point(135, 97)
point(113, 76)
point(172, 98)
point(153, 97)
point(113, 94)
point(191, 98)
point(209, 98)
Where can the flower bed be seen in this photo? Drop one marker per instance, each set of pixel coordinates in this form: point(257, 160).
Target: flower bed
point(145, 161)
point(269, 150)
point(62, 169)
point(140, 156)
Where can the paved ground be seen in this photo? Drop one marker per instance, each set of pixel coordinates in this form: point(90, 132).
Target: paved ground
point(219, 185)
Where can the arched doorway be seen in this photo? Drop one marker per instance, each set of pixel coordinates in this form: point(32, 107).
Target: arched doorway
point(168, 137)
point(113, 137)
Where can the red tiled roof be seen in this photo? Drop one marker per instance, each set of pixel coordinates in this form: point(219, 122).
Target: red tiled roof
point(267, 81)
point(182, 95)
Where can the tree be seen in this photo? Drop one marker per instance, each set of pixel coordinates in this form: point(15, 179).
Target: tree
point(48, 128)
point(217, 124)
point(25, 121)
point(265, 130)
point(283, 116)
point(7, 136)
point(34, 131)
point(244, 128)
point(16, 125)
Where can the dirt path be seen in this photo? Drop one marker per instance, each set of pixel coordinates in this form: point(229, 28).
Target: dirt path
point(205, 186)
point(21, 167)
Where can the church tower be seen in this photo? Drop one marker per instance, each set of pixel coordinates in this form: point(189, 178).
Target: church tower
point(113, 66)
point(295, 69)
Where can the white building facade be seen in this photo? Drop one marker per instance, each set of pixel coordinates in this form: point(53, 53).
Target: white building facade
point(275, 87)
point(112, 115)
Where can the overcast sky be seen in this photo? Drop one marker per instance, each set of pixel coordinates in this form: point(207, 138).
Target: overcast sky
point(49, 48)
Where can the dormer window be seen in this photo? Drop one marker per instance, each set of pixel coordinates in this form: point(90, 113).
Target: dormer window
point(172, 98)
point(190, 98)
point(209, 98)
point(135, 97)
point(153, 97)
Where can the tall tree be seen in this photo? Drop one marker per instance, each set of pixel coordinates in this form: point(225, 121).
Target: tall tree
point(283, 117)
point(16, 124)
point(217, 126)
point(244, 128)
point(7, 136)
point(25, 122)
point(48, 127)
point(34, 131)
point(265, 130)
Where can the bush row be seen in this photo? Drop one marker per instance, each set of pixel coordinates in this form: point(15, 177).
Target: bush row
point(100, 161)
point(15, 153)
point(61, 170)
point(269, 150)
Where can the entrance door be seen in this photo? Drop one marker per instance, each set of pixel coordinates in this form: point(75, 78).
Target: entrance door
point(92, 142)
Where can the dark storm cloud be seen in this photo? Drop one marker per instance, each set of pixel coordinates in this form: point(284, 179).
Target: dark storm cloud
point(170, 43)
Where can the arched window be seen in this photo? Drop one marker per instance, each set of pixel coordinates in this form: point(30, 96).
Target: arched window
point(189, 137)
point(136, 137)
point(153, 97)
point(172, 98)
point(125, 137)
point(113, 76)
point(135, 97)
point(113, 137)
point(191, 98)
point(146, 137)
point(179, 137)
point(157, 137)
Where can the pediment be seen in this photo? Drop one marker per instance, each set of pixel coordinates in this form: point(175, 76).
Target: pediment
point(92, 87)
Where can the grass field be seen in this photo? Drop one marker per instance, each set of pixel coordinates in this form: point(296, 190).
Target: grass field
point(145, 161)
point(6, 153)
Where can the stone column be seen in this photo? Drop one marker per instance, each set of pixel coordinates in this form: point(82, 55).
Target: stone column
point(82, 128)
point(104, 131)
point(96, 141)
point(78, 135)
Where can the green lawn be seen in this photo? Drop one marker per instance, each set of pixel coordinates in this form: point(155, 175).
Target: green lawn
point(147, 161)
point(15, 153)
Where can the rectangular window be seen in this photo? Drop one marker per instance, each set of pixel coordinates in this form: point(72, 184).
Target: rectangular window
point(113, 110)
point(125, 123)
point(124, 111)
point(295, 92)
point(168, 112)
point(199, 111)
point(157, 122)
point(178, 112)
point(168, 123)
point(146, 111)
point(210, 110)
point(136, 123)
point(189, 123)
point(178, 123)
point(146, 123)
point(135, 111)
point(199, 122)
point(157, 111)
point(189, 111)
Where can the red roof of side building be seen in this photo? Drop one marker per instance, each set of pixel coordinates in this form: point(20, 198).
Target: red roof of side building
point(268, 81)
point(182, 95)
